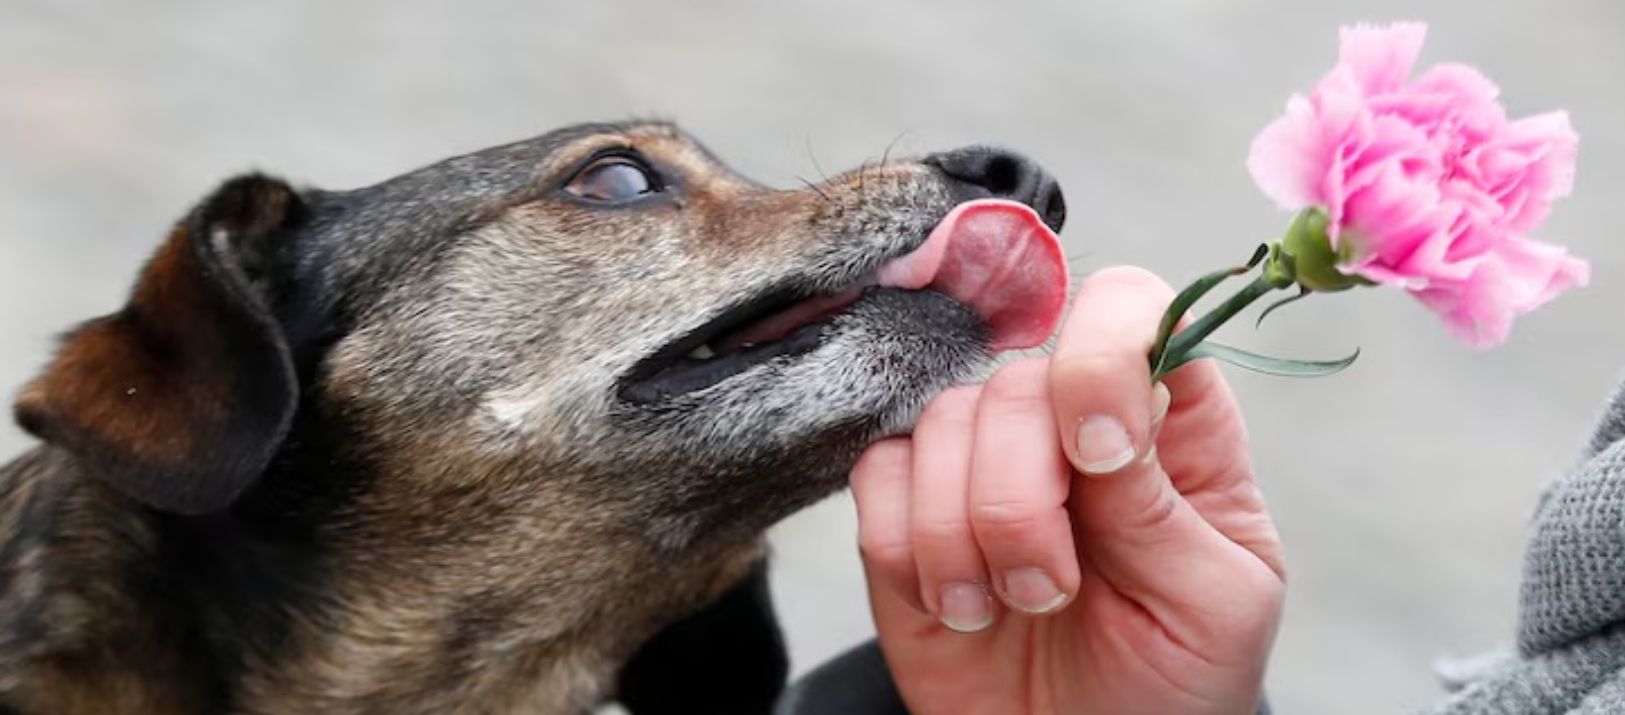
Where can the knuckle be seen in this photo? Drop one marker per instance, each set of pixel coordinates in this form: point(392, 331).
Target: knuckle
point(1022, 379)
point(1156, 514)
point(883, 456)
point(1270, 590)
point(1073, 369)
point(888, 555)
point(953, 403)
point(1129, 278)
point(1009, 520)
point(930, 534)
point(1257, 613)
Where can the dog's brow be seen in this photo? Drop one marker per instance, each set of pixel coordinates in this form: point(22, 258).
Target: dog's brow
point(658, 140)
point(578, 150)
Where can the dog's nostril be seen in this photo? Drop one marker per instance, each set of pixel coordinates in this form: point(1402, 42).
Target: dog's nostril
point(1051, 206)
point(991, 172)
point(1002, 175)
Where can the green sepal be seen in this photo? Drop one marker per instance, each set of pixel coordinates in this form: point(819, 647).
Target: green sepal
point(1314, 262)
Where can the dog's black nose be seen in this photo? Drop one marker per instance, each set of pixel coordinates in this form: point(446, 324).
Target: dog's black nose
point(991, 172)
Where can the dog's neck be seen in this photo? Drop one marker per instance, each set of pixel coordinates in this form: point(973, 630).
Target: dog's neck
point(270, 610)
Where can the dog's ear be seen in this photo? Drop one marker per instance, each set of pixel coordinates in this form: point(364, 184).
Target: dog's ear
point(181, 399)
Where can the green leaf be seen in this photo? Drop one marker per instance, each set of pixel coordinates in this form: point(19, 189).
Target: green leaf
point(1265, 364)
point(1188, 297)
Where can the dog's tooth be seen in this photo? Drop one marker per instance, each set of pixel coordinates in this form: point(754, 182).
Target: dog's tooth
point(703, 352)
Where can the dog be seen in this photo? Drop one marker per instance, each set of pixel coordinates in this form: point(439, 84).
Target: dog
point(494, 436)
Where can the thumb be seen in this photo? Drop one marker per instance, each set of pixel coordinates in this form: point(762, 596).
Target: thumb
point(1133, 526)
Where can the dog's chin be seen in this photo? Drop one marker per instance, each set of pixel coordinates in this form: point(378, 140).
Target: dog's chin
point(891, 353)
point(811, 404)
point(749, 450)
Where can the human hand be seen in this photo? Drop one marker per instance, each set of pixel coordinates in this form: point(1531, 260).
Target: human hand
point(1067, 538)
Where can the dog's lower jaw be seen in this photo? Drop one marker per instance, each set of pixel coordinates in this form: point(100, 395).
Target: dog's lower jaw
point(759, 446)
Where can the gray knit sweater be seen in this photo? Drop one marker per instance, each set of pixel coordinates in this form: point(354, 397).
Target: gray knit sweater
point(1571, 620)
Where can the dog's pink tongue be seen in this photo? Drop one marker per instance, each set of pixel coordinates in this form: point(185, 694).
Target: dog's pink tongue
point(998, 258)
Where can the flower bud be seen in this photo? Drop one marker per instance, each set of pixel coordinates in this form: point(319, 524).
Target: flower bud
point(1314, 262)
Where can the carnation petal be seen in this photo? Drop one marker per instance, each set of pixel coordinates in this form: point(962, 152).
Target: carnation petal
point(1550, 146)
point(1401, 222)
point(1458, 82)
point(1471, 310)
point(1516, 278)
point(1344, 131)
point(1381, 57)
point(1455, 98)
point(1537, 272)
point(1286, 158)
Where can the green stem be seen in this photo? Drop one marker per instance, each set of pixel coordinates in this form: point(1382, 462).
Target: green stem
point(1181, 343)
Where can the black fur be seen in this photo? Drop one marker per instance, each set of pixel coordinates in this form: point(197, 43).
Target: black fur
point(728, 659)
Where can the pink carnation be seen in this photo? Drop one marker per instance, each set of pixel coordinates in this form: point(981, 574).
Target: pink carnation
point(1431, 186)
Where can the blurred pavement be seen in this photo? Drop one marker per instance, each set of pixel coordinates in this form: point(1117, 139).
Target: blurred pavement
point(1402, 486)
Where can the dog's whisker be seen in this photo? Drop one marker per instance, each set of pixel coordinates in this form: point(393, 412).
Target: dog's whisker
point(816, 189)
point(814, 159)
point(885, 156)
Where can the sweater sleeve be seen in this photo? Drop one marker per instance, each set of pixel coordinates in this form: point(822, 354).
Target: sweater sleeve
point(1560, 681)
point(1571, 611)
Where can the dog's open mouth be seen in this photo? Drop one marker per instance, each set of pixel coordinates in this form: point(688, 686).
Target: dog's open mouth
point(995, 257)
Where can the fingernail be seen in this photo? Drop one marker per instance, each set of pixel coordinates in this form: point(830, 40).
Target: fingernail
point(966, 607)
point(1032, 591)
point(1150, 455)
point(1103, 445)
point(1160, 400)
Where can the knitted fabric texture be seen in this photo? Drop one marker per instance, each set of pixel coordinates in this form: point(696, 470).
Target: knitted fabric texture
point(1571, 620)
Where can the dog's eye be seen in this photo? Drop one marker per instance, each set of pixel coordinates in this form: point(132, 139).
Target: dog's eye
point(616, 178)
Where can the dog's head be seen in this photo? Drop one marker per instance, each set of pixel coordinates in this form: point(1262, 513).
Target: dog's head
point(604, 319)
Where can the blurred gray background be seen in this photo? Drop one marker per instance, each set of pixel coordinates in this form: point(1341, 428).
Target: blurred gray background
point(1402, 486)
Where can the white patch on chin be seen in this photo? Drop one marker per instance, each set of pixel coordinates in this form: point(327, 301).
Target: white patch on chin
point(565, 406)
point(512, 408)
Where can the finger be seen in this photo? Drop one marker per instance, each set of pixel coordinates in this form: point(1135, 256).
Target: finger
point(1019, 484)
point(1109, 332)
point(1140, 533)
point(953, 579)
point(1114, 321)
point(880, 487)
point(1099, 375)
